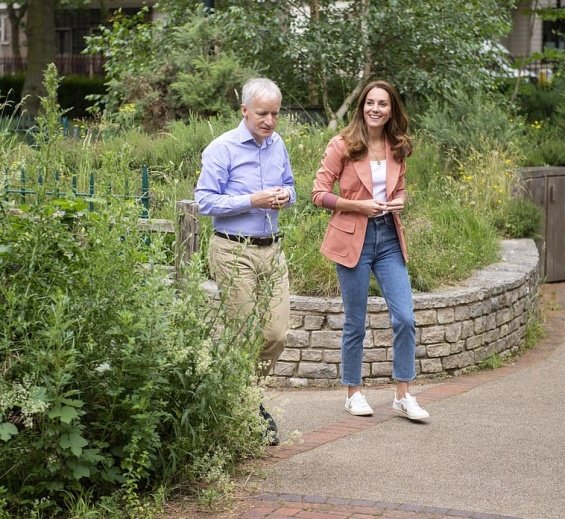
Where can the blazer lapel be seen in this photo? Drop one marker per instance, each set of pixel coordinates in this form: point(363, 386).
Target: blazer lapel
point(363, 169)
point(392, 170)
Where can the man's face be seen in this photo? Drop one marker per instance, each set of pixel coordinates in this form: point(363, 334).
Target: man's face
point(261, 117)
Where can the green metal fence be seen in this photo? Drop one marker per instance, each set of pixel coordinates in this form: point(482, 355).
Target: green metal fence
point(56, 187)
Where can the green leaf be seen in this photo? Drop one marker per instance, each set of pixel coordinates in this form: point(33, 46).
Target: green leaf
point(66, 413)
point(80, 471)
point(73, 441)
point(7, 430)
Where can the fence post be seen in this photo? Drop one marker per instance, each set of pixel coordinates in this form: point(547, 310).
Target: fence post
point(145, 191)
point(188, 233)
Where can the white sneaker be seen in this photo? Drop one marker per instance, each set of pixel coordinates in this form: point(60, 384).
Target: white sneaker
point(408, 407)
point(357, 405)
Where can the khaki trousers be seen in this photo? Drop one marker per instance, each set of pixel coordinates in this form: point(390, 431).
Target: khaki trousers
point(253, 278)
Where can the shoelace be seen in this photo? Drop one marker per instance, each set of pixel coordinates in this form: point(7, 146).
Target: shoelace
point(411, 401)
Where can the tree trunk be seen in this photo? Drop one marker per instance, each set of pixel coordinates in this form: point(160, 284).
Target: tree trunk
point(341, 112)
point(40, 31)
point(313, 98)
point(15, 16)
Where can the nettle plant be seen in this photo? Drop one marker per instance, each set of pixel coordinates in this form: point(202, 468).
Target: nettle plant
point(114, 385)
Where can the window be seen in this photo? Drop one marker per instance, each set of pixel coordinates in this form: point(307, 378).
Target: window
point(4, 40)
point(554, 31)
point(63, 41)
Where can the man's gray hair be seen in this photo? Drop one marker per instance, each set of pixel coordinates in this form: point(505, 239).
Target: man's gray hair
point(259, 87)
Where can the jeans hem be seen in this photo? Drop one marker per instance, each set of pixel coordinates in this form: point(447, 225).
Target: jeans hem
point(404, 379)
point(350, 384)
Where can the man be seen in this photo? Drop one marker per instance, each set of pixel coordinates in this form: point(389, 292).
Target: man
point(246, 179)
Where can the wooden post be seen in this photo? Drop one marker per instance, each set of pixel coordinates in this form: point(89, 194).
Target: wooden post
point(188, 233)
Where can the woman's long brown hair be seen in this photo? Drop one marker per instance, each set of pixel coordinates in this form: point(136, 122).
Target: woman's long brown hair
point(355, 133)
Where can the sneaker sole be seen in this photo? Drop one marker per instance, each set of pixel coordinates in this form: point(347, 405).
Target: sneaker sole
point(405, 414)
point(367, 413)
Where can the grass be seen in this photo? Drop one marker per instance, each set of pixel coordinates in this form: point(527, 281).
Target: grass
point(449, 220)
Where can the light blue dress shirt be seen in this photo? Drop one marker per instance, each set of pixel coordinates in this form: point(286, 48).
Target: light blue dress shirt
point(234, 166)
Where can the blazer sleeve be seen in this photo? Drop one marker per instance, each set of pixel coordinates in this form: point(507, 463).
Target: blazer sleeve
point(400, 190)
point(328, 174)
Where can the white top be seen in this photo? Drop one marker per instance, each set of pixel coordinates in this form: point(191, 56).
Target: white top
point(378, 172)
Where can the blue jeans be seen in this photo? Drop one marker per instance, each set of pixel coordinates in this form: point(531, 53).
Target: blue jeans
point(381, 254)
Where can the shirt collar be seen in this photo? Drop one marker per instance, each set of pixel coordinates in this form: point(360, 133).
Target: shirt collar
point(246, 136)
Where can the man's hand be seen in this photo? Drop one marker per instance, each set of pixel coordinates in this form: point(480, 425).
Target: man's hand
point(274, 198)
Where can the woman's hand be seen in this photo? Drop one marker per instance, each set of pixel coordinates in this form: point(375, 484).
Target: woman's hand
point(395, 206)
point(370, 208)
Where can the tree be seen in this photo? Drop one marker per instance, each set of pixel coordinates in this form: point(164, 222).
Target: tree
point(40, 32)
point(16, 16)
point(428, 49)
point(169, 69)
point(327, 51)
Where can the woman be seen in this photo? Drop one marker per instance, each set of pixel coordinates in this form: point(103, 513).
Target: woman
point(368, 162)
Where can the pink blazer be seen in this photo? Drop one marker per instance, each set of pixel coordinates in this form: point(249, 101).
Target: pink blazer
point(346, 230)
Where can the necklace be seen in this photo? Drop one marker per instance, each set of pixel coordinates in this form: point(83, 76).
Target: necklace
point(377, 152)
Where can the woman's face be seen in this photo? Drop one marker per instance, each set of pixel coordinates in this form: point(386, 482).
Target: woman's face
point(377, 108)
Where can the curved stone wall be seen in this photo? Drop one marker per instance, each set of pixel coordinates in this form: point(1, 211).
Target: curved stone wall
point(456, 328)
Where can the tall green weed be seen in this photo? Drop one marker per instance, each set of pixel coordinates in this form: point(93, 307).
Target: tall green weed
point(112, 382)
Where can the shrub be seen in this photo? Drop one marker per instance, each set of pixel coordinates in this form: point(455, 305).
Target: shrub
point(466, 123)
point(112, 382)
point(73, 92)
point(520, 218)
point(544, 145)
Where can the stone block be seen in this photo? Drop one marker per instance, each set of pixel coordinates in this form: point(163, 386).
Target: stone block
point(382, 337)
point(467, 329)
point(296, 321)
point(432, 334)
point(365, 370)
point(457, 347)
point(491, 336)
point(297, 339)
point(312, 355)
point(317, 370)
point(313, 322)
point(484, 353)
point(479, 324)
point(375, 355)
point(461, 360)
point(335, 322)
point(490, 322)
point(438, 350)
point(503, 316)
point(462, 313)
point(431, 365)
point(474, 342)
point(285, 369)
point(453, 332)
point(290, 355)
point(326, 339)
point(425, 317)
point(476, 309)
point(445, 315)
point(381, 320)
point(381, 369)
point(297, 382)
point(421, 352)
point(332, 356)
